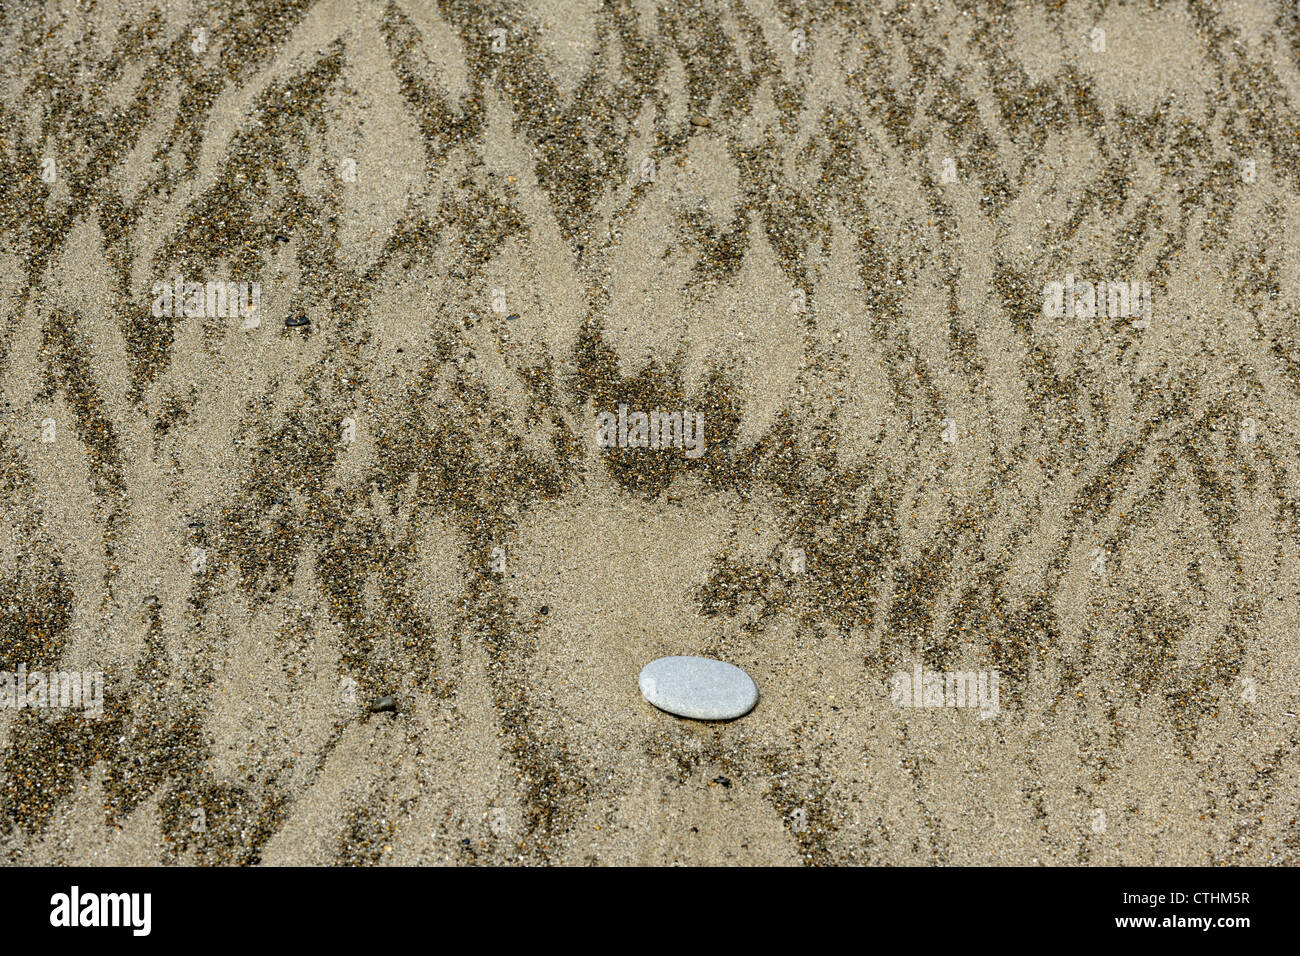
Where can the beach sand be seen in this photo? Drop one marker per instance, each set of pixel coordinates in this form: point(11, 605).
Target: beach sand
point(827, 228)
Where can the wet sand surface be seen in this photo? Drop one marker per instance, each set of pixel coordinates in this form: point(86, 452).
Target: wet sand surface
point(827, 228)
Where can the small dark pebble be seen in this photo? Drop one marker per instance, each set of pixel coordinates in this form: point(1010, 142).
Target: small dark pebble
point(465, 841)
point(281, 238)
point(294, 321)
point(723, 781)
point(511, 318)
point(382, 705)
point(545, 609)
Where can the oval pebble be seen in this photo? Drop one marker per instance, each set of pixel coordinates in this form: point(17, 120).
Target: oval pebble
point(698, 687)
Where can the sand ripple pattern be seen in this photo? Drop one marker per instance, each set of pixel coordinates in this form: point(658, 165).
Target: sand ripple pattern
point(833, 243)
